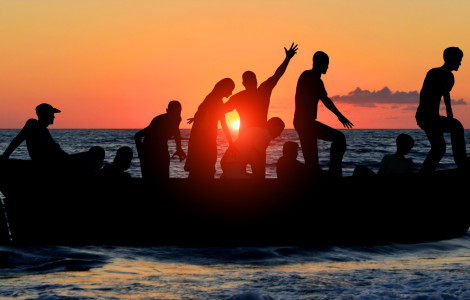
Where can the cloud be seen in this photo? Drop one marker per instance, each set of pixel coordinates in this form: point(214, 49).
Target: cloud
point(367, 98)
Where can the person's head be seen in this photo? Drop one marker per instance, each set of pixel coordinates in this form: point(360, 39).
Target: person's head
point(98, 156)
point(453, 57)
point(249, 80)
point(224, 87)
point(321, 62)
point(174, 108)
point(45, 113)
point(290, 149)
point(275, 127)
point(123, 158)
point(404, 144)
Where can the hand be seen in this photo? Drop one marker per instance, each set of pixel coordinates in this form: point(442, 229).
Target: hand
point(346, 123)
point(190, 120)
point(180, 153)
point(292, 51)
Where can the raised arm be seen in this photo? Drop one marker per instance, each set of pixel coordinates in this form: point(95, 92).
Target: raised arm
point(331, 106)
point(282, 68)
point(19, 138)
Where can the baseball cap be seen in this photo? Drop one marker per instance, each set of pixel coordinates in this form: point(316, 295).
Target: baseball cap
point(46, 108)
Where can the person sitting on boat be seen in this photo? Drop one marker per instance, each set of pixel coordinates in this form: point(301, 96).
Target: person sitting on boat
point(397, 163)
point(438, 84)
point(249, 149)
point(152, 143)
point(392, 164)
point(288, 167)
point(44, 150)
point(122, 162)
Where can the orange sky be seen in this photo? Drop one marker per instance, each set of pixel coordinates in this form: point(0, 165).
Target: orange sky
point(116, 64)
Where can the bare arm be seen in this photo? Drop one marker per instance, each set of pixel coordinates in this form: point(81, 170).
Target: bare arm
point(282, 68)
point(331, 106)
point(138, 140)
point(447, 104)
point(179, 150)
point(223, 123)
point(18, 139)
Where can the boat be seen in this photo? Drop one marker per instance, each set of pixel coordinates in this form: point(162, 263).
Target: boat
point(44, 208)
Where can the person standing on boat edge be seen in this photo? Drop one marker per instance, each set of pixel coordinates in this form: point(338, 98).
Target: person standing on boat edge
point(44, 150)
point(437, 84)
point(310, 89)
point(152, 143)
point(202, 145)
point(252, 104)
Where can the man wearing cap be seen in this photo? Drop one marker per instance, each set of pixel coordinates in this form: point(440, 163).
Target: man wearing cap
point(41, 146)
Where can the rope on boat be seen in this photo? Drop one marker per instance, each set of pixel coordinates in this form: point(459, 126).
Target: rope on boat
point(7, 224)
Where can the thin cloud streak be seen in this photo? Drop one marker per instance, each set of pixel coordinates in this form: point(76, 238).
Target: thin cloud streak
point(366, 98)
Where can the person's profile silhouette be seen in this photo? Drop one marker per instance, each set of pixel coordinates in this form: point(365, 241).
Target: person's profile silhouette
point(202, 145)
point(152, 143)
point(310, 90)
point(437, 85)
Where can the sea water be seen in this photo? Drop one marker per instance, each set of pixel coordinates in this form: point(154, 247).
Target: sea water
point(438, 270)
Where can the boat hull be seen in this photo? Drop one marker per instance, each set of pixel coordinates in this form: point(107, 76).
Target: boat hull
point(66, 210)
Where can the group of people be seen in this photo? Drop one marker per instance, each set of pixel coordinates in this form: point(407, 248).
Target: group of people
point(256, 131)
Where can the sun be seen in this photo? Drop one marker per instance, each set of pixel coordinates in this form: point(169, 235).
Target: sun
point(236, 124)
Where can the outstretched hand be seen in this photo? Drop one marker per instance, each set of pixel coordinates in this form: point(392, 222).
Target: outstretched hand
point(346, 123)
point(292, 51)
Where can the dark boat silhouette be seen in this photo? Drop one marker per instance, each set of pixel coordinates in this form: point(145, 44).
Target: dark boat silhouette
point(43, 209)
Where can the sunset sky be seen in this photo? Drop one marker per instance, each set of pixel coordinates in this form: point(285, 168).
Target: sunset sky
point(117, 64)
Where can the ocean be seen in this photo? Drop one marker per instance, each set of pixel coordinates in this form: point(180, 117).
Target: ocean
point(437, 270)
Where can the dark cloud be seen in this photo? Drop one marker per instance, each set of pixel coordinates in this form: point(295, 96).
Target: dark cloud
point(368, 98)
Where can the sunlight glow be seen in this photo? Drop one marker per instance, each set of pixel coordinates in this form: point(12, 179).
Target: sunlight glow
point(236, 124)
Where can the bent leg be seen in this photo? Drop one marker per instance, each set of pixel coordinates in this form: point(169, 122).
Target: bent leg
point(438, 149)
point(338, 146)
point(458, 141)
point(308, 144)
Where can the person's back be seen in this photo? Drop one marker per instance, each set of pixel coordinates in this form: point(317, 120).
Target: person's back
point(309, 90)
point(397, 163)
point(288, 167)
point(121, 163)
point(152, 143)
point(40, 144)
point(438, 81)
point(160, 130)
point(248, 149)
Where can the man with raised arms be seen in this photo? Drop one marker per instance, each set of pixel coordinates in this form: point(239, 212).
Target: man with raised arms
point(310, 90)
point(252, 104)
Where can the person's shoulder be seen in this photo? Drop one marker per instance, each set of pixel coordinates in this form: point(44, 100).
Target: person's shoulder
point(306, 74)
point(31, 123)
point(439, 72)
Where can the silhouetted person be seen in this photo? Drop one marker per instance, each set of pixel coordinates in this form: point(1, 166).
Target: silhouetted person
point(250, 148)
point(438, 84)
point(45, 151)
point(252, 104)
point(152, 143)
point(310, 90)
point(202, 146)
point(122, 162)
point(397, 163)
point(392, 164)
point(288, 167)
